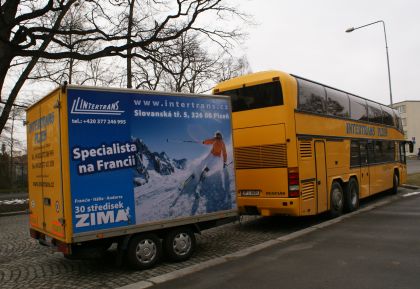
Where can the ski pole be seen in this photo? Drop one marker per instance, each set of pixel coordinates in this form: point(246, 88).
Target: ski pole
point(181, 141)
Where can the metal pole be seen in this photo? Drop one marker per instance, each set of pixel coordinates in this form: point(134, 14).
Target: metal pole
point(387, 60)
point(387, 54)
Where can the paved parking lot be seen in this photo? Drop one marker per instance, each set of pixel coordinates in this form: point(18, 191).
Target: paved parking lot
point(413, 166)
point(26, 264)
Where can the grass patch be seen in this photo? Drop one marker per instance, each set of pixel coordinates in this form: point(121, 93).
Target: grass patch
point(413, 179)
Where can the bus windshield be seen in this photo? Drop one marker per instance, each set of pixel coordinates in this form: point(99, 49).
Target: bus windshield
point(257, 96)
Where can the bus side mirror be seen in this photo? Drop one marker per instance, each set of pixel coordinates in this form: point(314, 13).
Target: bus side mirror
point(411, 147)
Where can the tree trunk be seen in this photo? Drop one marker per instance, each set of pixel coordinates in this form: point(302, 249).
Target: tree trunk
point(130, 27)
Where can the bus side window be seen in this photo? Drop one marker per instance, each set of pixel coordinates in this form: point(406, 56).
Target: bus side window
point(370, 152)
point(355, 160)
point(402, 152)
point(390, 151)
point(363, 153)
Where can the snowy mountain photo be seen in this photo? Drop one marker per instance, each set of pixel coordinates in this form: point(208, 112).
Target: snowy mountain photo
point(167, 188)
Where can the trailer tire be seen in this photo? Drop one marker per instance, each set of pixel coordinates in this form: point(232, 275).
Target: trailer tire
point(144, 251)
point(351, 196)
point(337, 200)
point(179, 244)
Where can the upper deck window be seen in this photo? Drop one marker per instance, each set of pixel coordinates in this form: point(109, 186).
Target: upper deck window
point(374, 112)
point(387, 115)
point(358, 108)
point(256, 96)
point(311, 97)
point(337, 103)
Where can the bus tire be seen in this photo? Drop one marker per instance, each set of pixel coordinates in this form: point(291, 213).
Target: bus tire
point(395, 183)
point(144, 251)
point(351, 196)
point(337, 200)
point(179, 244)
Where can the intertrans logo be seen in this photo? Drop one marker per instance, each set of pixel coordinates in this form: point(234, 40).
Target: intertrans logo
point(81, 106)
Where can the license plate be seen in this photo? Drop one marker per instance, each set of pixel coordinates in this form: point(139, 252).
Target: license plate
point(250, 193)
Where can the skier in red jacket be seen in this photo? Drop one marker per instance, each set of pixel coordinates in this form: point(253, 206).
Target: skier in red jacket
point(219, 149)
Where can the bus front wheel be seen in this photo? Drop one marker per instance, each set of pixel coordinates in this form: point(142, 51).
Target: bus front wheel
point(395, 183)
point(337, 200)
point(351, 196)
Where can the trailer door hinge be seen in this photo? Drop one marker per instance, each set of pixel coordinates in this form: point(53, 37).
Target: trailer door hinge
point(57, 104)
point(62, 221)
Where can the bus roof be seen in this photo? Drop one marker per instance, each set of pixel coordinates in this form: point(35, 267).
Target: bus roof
point(270, 75)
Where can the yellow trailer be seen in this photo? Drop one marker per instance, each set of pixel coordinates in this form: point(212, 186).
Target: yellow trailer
point(142, 169)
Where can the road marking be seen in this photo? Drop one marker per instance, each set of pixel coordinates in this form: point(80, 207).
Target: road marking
point(410, 194)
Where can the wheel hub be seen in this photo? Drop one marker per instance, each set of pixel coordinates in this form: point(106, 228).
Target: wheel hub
point(337, 199)
point(182, 244)
point(146, 251)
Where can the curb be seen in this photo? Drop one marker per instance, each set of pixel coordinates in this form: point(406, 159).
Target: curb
point(411, 187)
point(242, 253)
point(13, 213)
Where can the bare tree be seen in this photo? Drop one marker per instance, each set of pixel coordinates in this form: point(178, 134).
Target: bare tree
point(188, 64)
point(66, 69)
point(189, 67)
point(232, 67)
point(33, 30)
point(10, 143)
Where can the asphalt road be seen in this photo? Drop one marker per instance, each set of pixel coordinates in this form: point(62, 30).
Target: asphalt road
point(374, 249)
point(413, 166)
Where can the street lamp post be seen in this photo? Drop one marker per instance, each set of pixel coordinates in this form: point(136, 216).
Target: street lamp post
point(386, 47)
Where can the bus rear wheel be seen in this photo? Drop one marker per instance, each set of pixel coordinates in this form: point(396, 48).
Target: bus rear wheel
point(351, 195)
point(337, 200)
point(395, 183)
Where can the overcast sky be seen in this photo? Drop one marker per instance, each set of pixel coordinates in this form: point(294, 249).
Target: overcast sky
point(308, 38)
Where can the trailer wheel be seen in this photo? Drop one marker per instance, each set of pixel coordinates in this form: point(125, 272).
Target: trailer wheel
point(144, 251)
point(351, 195)
point(337, 200)
point(179, 244)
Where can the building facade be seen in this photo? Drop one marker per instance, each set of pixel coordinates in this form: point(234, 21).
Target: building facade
point(410, 117)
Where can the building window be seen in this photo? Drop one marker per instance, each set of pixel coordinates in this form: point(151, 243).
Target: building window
point(405, 134)
point(404, 121)
point(401, 109)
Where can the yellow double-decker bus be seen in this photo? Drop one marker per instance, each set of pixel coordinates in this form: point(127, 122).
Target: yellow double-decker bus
point(303, 148)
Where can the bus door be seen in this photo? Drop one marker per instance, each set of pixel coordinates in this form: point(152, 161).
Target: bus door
point(321, 176)
point(364, 170)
